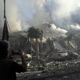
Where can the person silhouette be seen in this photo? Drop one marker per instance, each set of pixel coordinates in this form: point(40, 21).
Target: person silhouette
point(8, 67)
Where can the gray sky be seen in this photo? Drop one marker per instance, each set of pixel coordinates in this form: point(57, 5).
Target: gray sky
point(24, 13)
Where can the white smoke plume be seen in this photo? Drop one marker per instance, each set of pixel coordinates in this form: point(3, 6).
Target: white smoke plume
point(52, 31)
point(73, 27)
point(57, 31)
point(14, 21)
point(53, 27)
point(22, 14)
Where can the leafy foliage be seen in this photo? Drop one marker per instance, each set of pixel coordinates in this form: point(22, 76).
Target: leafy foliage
point(35, 33)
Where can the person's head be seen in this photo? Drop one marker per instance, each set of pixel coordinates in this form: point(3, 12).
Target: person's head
point(3, 49)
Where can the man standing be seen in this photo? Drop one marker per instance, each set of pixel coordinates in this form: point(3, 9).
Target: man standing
point(8, 68)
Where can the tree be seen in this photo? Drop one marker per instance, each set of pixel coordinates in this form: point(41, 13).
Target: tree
point(37, 34)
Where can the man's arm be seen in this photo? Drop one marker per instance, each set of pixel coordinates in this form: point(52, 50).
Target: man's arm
point(19, 67)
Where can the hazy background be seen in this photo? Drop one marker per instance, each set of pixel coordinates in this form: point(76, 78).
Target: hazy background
point(21, 14)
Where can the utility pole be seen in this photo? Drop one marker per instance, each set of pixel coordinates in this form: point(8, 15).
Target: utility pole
point(4, 9)
point(5, 34)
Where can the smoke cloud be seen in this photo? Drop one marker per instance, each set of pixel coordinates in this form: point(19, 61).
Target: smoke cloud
point(14, 22)
point(22, 14)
